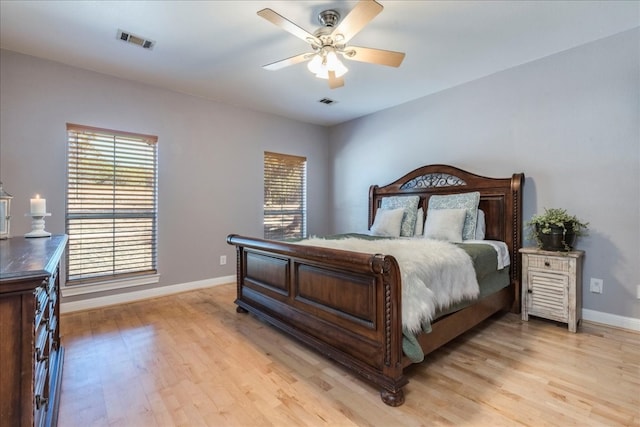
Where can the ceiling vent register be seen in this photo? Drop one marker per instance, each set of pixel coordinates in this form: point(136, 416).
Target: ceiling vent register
point(137, 40)
point(327, 101)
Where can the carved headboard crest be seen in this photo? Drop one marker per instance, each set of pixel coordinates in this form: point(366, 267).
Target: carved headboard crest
point(433, 180)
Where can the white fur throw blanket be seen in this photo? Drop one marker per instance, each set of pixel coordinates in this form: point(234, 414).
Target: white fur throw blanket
point(435, 274)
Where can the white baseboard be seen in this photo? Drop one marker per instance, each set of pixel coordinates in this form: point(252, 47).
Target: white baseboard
point(611, 319)
point(121, 298)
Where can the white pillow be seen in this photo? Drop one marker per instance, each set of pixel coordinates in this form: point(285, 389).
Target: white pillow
point(387, 222)
point(445, 224)
point(468, 201)
point(410, 205)
point(481, 226)
point(419, 223)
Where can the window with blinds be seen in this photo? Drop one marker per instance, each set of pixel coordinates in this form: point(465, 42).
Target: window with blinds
point(285, 196)
point(111, 207)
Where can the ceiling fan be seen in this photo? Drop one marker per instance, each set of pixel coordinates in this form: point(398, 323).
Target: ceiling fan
point(330, 41)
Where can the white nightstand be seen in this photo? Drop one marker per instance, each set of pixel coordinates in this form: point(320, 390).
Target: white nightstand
point(552, 285)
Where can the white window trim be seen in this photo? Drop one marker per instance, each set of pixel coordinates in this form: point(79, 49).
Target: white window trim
point(100, 283)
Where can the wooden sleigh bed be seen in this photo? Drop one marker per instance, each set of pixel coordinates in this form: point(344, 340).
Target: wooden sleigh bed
point(347, 305)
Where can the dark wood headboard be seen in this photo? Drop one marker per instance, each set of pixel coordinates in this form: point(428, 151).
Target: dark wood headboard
point(500, 199)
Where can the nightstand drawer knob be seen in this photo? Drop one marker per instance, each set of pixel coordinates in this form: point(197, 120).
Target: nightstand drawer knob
point(547, 264)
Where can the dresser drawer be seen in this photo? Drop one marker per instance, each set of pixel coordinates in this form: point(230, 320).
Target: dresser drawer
point(549, 263)
point(52, 288)
point(53, 299)
point(41, 384)
point(54, 334)
point(42, 305)
point(42, 342)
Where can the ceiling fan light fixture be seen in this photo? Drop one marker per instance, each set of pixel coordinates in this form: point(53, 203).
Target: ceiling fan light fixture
point(315, 65)
point(322, 63)
point(333, 63)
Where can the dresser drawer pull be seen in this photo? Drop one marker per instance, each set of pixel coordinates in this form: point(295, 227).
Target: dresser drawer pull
point(547, 264)
point(41, 401)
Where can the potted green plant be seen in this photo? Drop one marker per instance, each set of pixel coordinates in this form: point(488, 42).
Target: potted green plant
point(555, 229)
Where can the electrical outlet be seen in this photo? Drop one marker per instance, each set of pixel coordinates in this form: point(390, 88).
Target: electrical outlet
point(596, 286)
point(223, 259)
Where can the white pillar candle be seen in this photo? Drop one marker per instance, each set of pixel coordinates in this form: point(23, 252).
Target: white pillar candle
point(38, 206)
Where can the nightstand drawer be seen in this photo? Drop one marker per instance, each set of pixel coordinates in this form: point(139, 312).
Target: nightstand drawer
point(549, 263)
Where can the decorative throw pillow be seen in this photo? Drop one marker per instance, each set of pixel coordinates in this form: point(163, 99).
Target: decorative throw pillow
point(387, 222)
point(467, 201)
point(419, 223)
point(481, 226)
point(410, 206)
point(445, 224)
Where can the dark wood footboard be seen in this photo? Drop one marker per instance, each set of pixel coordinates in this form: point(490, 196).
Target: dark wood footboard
point(346, 305)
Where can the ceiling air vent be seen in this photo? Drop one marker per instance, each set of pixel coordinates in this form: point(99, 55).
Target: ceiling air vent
point(327, 101)
point(131, 38)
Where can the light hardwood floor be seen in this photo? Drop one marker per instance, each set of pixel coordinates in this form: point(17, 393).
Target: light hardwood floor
point(191, 360)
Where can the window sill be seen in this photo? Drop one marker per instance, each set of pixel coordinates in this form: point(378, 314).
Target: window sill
point(68, 291)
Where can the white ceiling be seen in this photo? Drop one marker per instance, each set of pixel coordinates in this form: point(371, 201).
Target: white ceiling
point(215, 49)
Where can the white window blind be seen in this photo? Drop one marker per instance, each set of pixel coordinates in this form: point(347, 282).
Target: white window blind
point(111, 207)
point(285, 196)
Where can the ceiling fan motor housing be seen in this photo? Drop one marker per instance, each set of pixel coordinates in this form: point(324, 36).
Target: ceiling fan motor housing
point(329, 18)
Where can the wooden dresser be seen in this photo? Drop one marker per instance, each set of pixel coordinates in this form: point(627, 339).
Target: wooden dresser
point(30, 352)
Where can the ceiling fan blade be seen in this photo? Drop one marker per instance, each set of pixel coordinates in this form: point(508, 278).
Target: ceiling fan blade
point(374, 56)
point(355, 20)
point(289, 61)
point(335, 82)
point(288, 26)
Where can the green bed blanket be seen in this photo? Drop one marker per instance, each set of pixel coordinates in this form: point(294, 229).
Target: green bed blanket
point(490, 280)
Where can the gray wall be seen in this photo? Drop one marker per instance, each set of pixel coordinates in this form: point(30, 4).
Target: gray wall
point(570, 122)
point(210, 157)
